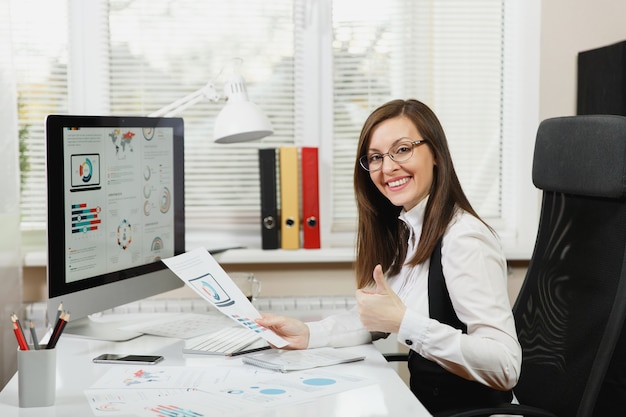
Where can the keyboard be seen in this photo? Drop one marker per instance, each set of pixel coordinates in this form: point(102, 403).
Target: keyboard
point(229, 341)
point(182, 326)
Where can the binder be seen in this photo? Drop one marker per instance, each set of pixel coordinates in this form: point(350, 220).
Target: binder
point(269, 199)
point(289, 198)
point(310, 199)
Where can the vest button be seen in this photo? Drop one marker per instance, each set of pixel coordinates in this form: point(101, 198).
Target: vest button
point(408, 342)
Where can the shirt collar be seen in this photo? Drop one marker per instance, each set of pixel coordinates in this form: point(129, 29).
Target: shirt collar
point(414, 218)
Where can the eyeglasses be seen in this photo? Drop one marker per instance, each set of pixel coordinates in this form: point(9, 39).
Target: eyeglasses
point(399, 153)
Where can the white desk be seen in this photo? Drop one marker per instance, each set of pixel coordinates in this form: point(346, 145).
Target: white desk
point(76, 372)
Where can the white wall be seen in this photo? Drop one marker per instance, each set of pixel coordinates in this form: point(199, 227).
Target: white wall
point(10, 260)
point(567, 28)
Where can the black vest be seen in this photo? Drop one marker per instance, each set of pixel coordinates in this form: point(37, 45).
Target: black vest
point(435, 387)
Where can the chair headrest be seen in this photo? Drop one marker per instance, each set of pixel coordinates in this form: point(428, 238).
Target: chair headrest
point(583, 155)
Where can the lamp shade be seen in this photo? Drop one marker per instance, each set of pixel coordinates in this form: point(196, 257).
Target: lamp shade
point(240, 120)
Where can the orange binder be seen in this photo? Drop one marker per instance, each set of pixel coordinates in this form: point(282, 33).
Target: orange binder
point(289, 198)
point(310, 199)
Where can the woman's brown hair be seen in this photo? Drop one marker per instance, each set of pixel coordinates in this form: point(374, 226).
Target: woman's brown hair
point(381, 236)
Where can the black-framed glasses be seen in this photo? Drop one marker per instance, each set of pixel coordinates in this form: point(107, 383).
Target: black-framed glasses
point(400, 152)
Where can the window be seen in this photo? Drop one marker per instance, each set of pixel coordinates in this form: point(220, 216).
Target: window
point(317, 68)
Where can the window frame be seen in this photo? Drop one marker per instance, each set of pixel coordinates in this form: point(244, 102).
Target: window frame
point(517, 227)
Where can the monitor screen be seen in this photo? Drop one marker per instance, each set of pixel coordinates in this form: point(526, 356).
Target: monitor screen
point(115, 209)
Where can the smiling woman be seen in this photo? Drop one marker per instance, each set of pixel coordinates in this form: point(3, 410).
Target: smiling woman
point(429, 271)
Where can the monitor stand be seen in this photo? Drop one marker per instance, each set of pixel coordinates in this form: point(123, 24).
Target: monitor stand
point(90, 329)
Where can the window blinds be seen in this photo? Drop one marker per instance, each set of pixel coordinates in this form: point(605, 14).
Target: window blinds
point(40, 58)
point(449, 54)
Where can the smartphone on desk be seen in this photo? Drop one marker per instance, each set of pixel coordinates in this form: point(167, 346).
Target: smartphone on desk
point(128, 359)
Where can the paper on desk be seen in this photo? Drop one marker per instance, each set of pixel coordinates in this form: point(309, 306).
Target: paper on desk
point(230, 390)
point(201, 272)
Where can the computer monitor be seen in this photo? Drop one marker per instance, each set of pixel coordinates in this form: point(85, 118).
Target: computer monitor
point(115, 209)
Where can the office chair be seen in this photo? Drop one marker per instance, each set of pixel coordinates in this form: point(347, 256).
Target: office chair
point(570, 310)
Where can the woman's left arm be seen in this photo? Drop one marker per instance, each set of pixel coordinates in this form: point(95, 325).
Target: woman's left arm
point(475, 271)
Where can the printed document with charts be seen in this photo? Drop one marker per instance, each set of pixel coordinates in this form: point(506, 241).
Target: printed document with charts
point(200, 271)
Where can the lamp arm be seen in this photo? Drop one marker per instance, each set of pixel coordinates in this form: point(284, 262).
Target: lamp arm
point(208, 91)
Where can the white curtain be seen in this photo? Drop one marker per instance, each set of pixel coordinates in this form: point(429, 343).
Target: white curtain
point(10, 259)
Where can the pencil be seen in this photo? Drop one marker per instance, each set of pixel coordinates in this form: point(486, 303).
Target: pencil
point(67, 318)
point(243, 352)
point(55, 331)
point(17, 328)
point(33, 334)
point(16, 320)
point(58, 329)
point(21, 341)
point(59, 311)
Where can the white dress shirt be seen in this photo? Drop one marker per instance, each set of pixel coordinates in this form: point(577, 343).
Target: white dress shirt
point(475, 272)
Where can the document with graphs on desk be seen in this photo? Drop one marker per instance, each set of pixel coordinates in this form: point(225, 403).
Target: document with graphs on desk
point(201, 272)
point(222, 390)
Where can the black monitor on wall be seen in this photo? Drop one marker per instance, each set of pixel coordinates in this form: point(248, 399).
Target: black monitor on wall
point(115, 209)
point(602, 80)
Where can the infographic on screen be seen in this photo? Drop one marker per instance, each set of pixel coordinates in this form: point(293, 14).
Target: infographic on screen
point(85, 171)
point(118, 191)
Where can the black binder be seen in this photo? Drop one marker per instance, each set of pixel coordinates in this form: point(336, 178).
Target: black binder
point(269, 202)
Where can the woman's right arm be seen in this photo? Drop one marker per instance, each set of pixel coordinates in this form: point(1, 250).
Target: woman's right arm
point(337, 330)
point(294, 331)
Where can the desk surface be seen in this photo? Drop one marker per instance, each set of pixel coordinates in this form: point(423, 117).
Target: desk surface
point(389, 396)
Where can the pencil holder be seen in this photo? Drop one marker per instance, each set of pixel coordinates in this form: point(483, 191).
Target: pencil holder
point(36, 374)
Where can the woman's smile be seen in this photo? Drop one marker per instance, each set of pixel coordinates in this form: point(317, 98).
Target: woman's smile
point(396, 183)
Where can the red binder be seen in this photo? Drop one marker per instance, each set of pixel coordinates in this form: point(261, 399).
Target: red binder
point(310, 199)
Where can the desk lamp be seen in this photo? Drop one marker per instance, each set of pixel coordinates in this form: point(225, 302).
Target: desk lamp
point(239, 121)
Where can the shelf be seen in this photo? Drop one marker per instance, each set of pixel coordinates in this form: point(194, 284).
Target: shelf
point(248, 256)
point(259, 256)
